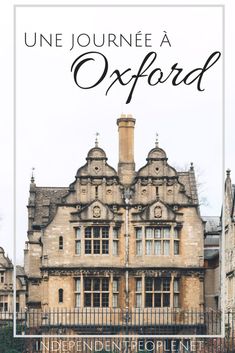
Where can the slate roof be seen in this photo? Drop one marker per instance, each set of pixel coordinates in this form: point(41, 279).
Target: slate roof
point(189, 182)
point(43, 201)
point(212, 224)
point(20, 274)
point(210, 254)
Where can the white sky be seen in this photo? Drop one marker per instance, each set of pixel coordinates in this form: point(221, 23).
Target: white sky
point(56, 121)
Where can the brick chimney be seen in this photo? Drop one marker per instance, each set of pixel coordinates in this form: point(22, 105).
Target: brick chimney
point(126, 165)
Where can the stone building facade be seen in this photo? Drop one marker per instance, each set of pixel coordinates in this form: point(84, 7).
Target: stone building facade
point(117, 238)
point(229, 228)
point(212, 261)
point(6, 286)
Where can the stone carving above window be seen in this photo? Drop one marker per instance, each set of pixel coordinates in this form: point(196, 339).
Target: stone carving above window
point(157, 212)
point(96, 212)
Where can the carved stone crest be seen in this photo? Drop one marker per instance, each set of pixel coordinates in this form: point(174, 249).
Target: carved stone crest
point(96, 212)
point(157, 212)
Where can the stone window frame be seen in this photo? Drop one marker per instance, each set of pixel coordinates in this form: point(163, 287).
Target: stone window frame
point(60, 295)
point(157, 292)
point(138, 292)
point(61, 242)
point(94, 244)
point(159, 235)
point(176, 241)
point(78, 239)
point(3, 303)
point(115, 233)
point(112, 291)
point(17, 303)
point(2, 276)
point(99, 296)
point(77, 292)
point(139, 241)
point(109, 245)
point(146, 244)
point(174, 291)
point(115, 290)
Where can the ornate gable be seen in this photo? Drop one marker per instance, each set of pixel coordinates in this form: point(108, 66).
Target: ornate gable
point(158, 211)
point(95, 211)
point(157, 165)
point(96, 165)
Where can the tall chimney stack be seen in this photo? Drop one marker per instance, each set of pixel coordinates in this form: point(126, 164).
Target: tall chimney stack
point(126, 165)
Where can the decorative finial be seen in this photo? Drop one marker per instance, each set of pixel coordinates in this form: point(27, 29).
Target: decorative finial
point(96, 139)
point(32, 177)
point(228, 171)
point(156, 141)
point(191, 166)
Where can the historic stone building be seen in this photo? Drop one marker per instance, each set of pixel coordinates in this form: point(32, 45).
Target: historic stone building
point(117, 238)
point(6, 286)
point(212, 261)
point(229, 228)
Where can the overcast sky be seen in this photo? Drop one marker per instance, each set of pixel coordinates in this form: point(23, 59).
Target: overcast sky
point(56, 121)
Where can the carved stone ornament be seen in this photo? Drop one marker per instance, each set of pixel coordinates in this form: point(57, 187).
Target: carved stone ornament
point(96, 169)
point(143, 192)
point(96, 212)
point(157, 212)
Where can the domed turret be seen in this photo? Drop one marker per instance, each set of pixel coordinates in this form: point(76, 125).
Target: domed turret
point(96, 153)
point(157, 154)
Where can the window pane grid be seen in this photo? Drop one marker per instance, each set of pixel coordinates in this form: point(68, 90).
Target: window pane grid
point(157, 292)
point(158, 241)
point(96, 292)
point(96, 240)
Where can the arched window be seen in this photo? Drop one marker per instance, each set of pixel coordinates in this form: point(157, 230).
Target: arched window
point(61, 295)
point(61, 243)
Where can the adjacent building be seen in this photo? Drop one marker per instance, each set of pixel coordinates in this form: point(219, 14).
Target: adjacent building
point(6, 286)
point(229, 227)
point(212, 261)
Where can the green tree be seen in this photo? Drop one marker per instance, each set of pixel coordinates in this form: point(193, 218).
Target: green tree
point(9, 344)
